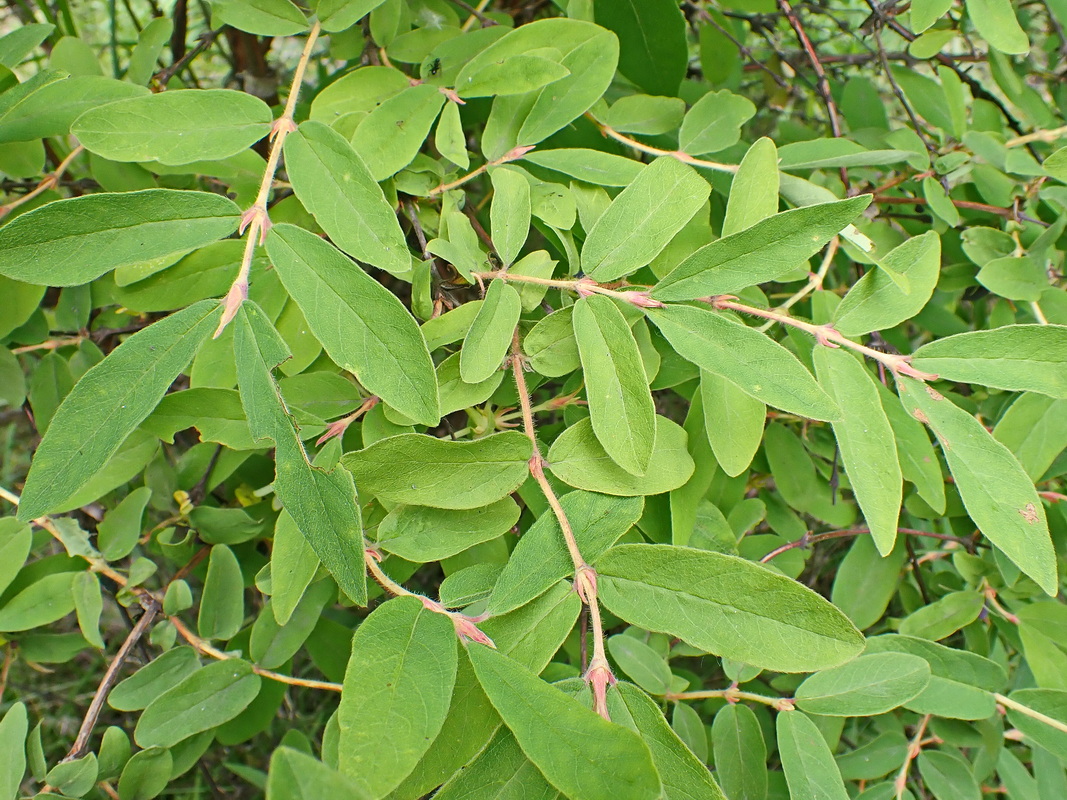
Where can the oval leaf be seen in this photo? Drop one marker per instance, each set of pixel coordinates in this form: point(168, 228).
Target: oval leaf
point(751, 360)
point(727, 606)
point(333, 183)
point(1011, 517)
point(73, 241)
point(422, 470)
point(86, 431)
point(643, 219)
point(362, 325)
point(764, 252)
point(204, 700)
point(579, 752)
point(486, 343)
point(620, 403)
point(175, 127)
point(870, 685)
point(396, 694)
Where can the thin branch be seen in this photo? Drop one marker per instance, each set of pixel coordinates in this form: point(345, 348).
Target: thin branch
point(807, 541)
point(85, 732)
point(255, 219)
point(599, 673)
point(49, 181)
point(914, 748)
point(685, 158)
point(1052, 722)
point(512, 155)
point(733, 695)
point(206, 39)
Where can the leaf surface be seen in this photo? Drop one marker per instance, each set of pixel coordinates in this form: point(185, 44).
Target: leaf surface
point(362, 325)
point(109, 401)
point(1012, 517)
point(726, 605)
point(396, 694)
point(73, 241)
point(620, 404)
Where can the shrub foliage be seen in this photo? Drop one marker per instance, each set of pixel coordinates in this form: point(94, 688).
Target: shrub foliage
point(595, 400)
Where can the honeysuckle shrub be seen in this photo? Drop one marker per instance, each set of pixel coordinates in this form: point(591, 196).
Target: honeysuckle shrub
point(595, 400)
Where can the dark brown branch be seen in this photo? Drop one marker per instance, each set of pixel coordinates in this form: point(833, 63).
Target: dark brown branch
point(81, 743)
point(806, 541)
point(162, 78)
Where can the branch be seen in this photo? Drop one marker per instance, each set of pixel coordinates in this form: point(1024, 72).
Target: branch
point(732, 695)
point(49, 181)
point(685, 158)
point(256, 219)
point(806, 541)
point(599, 673)
point(81, 742)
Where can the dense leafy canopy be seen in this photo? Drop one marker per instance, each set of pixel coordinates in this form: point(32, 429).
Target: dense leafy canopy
point(589, 399)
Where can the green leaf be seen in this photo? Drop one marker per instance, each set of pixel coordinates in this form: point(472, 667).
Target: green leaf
point(578, 459)
point(1014, 277)
point(339, 15)
point(500, 770)
point(1011, 517)
point(176, 127)
point(647, 114)
point(587, 50)
point(149, 45)
point(865, 438)
point(1034, 428)
point(754, 362)
point(362, 325)
point(944, 616)
point(641, 663)
point(1051, 703)
point(918, 461)
point(397, 690)
point(579, 752)
point(997, 24)
point(76, 777)
point(869, 685)
point(961, 683)
point(948, 777)
point(153, 679)
point(591, 166)
point(764, 252)
point(541, 558)
point(1019, 358)
point(391, 135)
point(323, 504)
point(422, 470)
point(204, 700)
point(146, 775)
point(487, 342)
point(421, 534)
point(297, 776)
point(515, 73)
point(261, 17)
point(509, 215)
point(683, 775)
point(222, 604)
point(733, 421)
point(73, 241)
point(52, 109)
point(15, 540)
point(620, 404)
point(13, 750)
point(714, 123)
point(866, 581)
point(754, 190)
point(643, 219)
point(449, 138)
point(88, 604)
point(652, 42)
point(293, 565)
point(333, 183)
point(810, 770)
point(727, 606)
point(109, 401)
point(925, 13)
point(740, 752)
point(876, 302)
